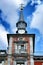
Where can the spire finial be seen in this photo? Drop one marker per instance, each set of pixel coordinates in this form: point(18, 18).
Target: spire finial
point(21, 24)
point(21, 8)
point(21, 18)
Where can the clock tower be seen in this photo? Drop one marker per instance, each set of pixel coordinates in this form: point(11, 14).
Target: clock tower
point(21, 44)
point(21, 24)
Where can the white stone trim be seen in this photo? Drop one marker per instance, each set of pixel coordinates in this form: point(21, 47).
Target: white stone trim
point(10, 46)
point(10, 50)
point(26, 63)
point(3, 62)
point(14, 62)
point(9, 59)
point(31, 51)
point(31, 45)
point(31, 61)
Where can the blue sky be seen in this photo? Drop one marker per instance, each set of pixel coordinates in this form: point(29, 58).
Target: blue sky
point(33, 15)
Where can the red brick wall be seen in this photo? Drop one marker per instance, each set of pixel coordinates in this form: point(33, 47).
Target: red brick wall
point(13, 46)
point(28, 48)
point(28, 45)
point(38, 62)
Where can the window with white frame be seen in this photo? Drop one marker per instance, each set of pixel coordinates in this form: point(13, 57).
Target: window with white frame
point(20, 48)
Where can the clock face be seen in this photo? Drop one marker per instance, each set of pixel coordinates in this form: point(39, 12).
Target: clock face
point(21, 31)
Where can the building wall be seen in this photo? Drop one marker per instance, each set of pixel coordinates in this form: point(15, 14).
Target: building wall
point(40, 62)
point(29, 49)
point(26, 39)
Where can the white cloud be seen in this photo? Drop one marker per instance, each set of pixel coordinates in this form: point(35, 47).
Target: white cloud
point(3, 36)
point(37, 21)
point(12, 18)
point(14, 2)
point(36, 1)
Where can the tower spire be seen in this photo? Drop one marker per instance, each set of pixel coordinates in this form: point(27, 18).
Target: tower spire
point(21, 6)
point(21, 24)
point(21, 18)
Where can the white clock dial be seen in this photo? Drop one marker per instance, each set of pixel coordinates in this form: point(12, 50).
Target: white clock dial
point(21, 31)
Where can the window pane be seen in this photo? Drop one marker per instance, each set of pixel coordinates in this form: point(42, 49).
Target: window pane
point(18, 63)
point(22, 46)
point(19, 47)
point(22, 64)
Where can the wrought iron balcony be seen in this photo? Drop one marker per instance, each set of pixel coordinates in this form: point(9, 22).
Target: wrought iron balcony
point(19, 51)
point(21, 41)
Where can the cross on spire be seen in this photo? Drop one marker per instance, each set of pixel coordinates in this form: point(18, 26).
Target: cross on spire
point(21, 8)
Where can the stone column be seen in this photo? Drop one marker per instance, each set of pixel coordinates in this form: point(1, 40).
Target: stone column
point(10, 46)
point(10, 50)
point(9, 59)
point(31, 51)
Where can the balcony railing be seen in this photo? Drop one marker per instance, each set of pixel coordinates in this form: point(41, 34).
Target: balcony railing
point(20, 51)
